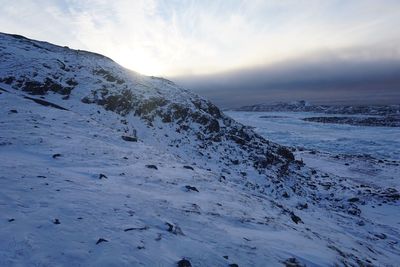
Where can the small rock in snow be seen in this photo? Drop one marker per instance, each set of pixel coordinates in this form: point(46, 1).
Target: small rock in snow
point(56, 155)
point(293, 262)
point(296, 219)
point(129, 138)
point(353, 199)
point(184, 263)
point(101, 240)
point(56, 221)
point(152, 167)
point(101, 176)
point(175, 229)
point(191, 188)
point(188, 167)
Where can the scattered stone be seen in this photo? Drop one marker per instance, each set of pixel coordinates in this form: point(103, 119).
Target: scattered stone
point(381, 236)
point(226, 257)
point(293, 262)
point(354, 210)
point(296, 219)
point(184, 263)
point(11, 220)
point(56, 155)
point(101, 176)
point(233, 265)
point(56, 221)
point(170, 226)
point(13, 111)
point(353, 199)
point(191, 188)
point(136, 228)
point(361, 223)
point(45, 103)
point(188, 167)
point(152, 167)
point(101, 240)
point(175, 229)
point(129, 138)
point(301, 206)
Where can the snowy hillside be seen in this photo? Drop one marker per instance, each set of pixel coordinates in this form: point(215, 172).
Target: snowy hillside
point(101, 166)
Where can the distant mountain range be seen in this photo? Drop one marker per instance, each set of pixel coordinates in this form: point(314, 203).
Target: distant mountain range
point(304, 106)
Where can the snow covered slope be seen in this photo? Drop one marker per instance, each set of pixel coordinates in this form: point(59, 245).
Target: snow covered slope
point(100, 166)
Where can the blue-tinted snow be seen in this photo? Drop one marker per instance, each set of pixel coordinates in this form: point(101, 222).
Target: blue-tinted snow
point(288, 128)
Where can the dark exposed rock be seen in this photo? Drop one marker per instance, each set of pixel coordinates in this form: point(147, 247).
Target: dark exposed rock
point(45, 103)
point(233, 265)
point(390, 194)
point(175, 229)
point(11, 220)
point(108, 76)
point(381, 236)
point(152, 167)
point(121, 103)
point(353, 210)
point(56, 155)
point(353, 199)
point(13, 111)
point(296, 219)
point(102, 176)
point(191, 188)
point(7, 80)
point(136, 228)
point(284, 152)
point(56, 221)
point(71, 82)
point(129, 138)
point(302, 206)
point(293, 262)
point(184, 263)
point(101, 240)
point(188, 167)
point(41, 88)
point(170, 226)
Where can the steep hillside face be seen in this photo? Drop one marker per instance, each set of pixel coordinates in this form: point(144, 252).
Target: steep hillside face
point(114, 124)
point(146, 104)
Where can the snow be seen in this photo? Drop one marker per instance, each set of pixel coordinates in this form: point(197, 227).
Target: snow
point(288, 128)
point(244, 217)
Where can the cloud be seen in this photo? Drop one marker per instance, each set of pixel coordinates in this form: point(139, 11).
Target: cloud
point(351, 77)
point(170, 37)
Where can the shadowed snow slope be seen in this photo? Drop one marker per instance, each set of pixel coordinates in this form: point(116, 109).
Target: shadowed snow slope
point(101, 166)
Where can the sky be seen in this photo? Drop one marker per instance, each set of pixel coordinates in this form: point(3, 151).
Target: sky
point(193, 42)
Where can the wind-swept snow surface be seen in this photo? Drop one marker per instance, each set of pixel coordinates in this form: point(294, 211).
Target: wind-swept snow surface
point(100, 166)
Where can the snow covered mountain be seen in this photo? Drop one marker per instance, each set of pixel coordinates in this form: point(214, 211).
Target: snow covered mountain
point(101, 166)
